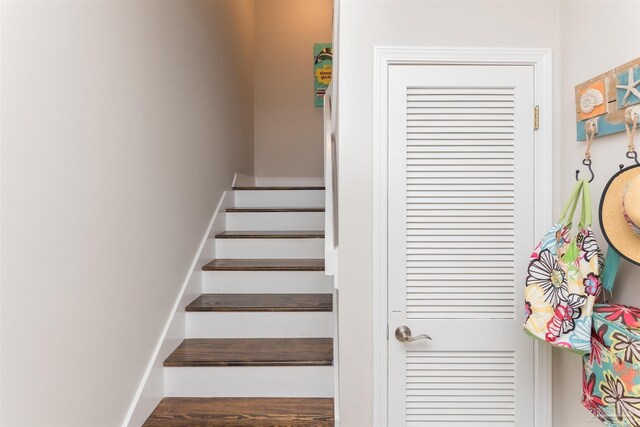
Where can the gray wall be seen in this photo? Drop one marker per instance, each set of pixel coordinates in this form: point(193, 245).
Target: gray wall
point(122, 124)
point(580, 61)
point(288, 128)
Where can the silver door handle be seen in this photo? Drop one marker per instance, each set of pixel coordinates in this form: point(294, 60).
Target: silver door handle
point(403, 334)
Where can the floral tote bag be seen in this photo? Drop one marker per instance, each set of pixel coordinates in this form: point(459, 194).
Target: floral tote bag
point(563, 282)
point(611, 372)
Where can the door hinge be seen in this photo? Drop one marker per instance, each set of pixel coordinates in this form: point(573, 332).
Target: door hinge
point(387, 332)
point(536, 117)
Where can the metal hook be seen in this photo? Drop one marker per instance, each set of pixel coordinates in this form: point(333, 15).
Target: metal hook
point(633, 155)
point(587, 163)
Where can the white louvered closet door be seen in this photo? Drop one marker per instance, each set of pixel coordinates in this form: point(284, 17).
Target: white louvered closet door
point(461, 219)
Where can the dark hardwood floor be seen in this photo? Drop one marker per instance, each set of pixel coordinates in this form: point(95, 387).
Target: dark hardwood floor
point(242, 412)
point(312, 187)
point(267, 210)
point(252, 352)
point(261, 302)
point(265, 265)
point(270, 235)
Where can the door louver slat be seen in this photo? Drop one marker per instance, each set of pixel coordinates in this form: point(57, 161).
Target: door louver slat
point(460, 212)
point(460, 387)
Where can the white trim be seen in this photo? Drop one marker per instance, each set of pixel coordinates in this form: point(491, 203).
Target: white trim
point(380, 325)
point(151, 388)
point(331, 251)
point(540, 59)
point(543, 385)
point(336, 356)
point(335, 281)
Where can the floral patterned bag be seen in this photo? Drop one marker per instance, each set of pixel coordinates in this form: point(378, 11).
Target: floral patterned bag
point(611, 373)
point(563, 279)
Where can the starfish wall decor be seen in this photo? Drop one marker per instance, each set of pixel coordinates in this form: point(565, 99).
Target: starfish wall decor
point(628, 88)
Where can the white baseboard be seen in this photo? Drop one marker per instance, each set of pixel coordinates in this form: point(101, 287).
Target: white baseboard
point(151, 388)
point(336, 355)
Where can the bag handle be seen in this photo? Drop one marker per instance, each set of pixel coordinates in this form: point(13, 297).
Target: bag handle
point(571, 205)
point(611, 265)
point(586, 216)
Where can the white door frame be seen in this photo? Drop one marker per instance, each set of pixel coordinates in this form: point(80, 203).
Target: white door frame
point(384, 57)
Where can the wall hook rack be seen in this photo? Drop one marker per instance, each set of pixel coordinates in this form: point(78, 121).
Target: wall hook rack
point(607, 98)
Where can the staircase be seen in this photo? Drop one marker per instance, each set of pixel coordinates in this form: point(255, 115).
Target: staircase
point(258, 348)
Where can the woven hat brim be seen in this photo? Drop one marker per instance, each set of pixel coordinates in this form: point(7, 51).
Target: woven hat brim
point(614, 226)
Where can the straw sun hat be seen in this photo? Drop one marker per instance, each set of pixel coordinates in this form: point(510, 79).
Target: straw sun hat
point(620, 213)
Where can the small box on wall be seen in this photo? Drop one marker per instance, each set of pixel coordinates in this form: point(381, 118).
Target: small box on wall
point(322, 70)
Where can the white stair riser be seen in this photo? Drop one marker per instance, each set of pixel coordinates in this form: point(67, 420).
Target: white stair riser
point(279, 198)
point(250, 381)
point(269, 248)
point(265, 181)
point(265, 282)
point(259, 325)
point(268, 221)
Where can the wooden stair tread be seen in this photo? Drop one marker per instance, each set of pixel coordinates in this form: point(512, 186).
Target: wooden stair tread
point(262, 302)
point(278, 234)
point(252, 352)
point(307, 187)
point(262, 210)
point(241, 412)
point(265, 265)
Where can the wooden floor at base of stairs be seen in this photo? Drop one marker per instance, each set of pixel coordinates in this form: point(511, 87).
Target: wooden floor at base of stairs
point(242, 412)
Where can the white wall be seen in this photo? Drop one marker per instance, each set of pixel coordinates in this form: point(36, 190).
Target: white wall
point(580, 60)
point(288, 128)
point(363, 25)
point(122, 123)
